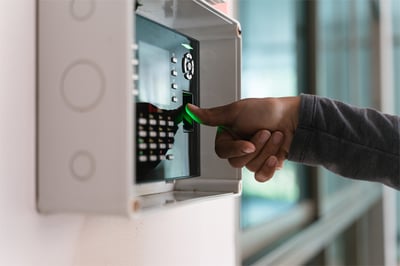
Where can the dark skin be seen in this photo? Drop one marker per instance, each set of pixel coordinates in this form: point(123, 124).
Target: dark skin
point(244, 137)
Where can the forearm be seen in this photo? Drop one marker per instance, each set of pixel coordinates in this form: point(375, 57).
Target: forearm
point(353, 142)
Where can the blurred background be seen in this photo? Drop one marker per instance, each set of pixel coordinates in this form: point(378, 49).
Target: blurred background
point(344, 49)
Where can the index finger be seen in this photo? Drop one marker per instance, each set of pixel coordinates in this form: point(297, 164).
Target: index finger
point(216, 116)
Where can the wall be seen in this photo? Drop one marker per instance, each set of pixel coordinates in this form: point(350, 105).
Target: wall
point(200, 233)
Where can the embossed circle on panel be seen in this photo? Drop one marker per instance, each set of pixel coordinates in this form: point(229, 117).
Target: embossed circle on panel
point(82, 9)
point(82, 85)
point(82, 165)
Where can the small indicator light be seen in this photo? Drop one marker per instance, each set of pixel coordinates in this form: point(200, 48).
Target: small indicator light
point(187, 46)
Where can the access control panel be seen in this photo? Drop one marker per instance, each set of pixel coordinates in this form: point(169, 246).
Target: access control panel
point(113, 80)
point(167, 141)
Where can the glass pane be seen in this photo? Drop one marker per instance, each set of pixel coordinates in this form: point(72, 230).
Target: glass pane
point(344, 51)
point(269, 69)
point(396, 53)
point(344, 70)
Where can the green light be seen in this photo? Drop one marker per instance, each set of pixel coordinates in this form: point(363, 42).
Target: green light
point(192, 116)
point(220, 129)
point(187, 46)
point(188, 118)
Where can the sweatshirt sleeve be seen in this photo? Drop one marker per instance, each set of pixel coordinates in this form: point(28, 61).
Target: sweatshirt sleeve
point(353, 142)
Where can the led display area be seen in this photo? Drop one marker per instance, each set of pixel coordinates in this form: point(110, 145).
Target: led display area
point(167, 140)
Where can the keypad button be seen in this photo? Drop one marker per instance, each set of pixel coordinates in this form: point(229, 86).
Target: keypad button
point(188, 56)
point(142, 121)
point(142, 133)
point(188, 76)
point(153, 122)
point(142, 146)
point(170, 157)
point(153, 146)
point(142, 158)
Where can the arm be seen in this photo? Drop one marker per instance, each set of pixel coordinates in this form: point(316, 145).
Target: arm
point(353, 142)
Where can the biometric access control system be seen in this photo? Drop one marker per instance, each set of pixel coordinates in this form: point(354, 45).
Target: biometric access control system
point(167, 145)
point(113, 80)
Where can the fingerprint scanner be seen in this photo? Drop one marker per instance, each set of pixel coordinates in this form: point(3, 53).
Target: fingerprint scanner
point(192, 116)
point(187, 118)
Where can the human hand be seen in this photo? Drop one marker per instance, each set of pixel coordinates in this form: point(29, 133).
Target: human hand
point(242, 125)
point(258, 154)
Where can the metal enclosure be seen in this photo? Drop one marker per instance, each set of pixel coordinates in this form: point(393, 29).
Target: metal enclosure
point(85, 113)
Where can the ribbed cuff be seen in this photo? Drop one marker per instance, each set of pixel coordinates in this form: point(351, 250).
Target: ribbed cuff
point(303, 134)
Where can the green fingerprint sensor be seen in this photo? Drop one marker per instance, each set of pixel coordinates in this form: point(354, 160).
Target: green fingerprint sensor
point(192, 115)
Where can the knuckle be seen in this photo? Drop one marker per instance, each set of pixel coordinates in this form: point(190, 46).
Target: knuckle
point(236, 163)
point(252, 167)
point(219, 151)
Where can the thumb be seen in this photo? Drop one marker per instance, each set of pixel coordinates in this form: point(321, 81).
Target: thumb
point(217, 116)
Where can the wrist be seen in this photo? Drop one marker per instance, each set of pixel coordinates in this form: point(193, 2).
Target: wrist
point(291, 106)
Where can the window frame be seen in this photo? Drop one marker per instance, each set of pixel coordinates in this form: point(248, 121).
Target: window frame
point(318, 220)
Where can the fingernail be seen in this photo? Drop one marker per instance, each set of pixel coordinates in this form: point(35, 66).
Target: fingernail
point(264, 136)
point(277, 138)
point(271, 162)
point(248, 150)
point(192, 106)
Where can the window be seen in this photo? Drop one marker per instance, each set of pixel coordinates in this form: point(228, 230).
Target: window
point(344, 62)
point(268, 70)
point(396, 53)
point(331, 48)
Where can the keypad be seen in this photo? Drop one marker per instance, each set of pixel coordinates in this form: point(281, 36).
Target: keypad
point(155, 132)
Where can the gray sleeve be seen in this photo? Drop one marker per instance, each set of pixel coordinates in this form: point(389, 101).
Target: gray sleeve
point(358, 143)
